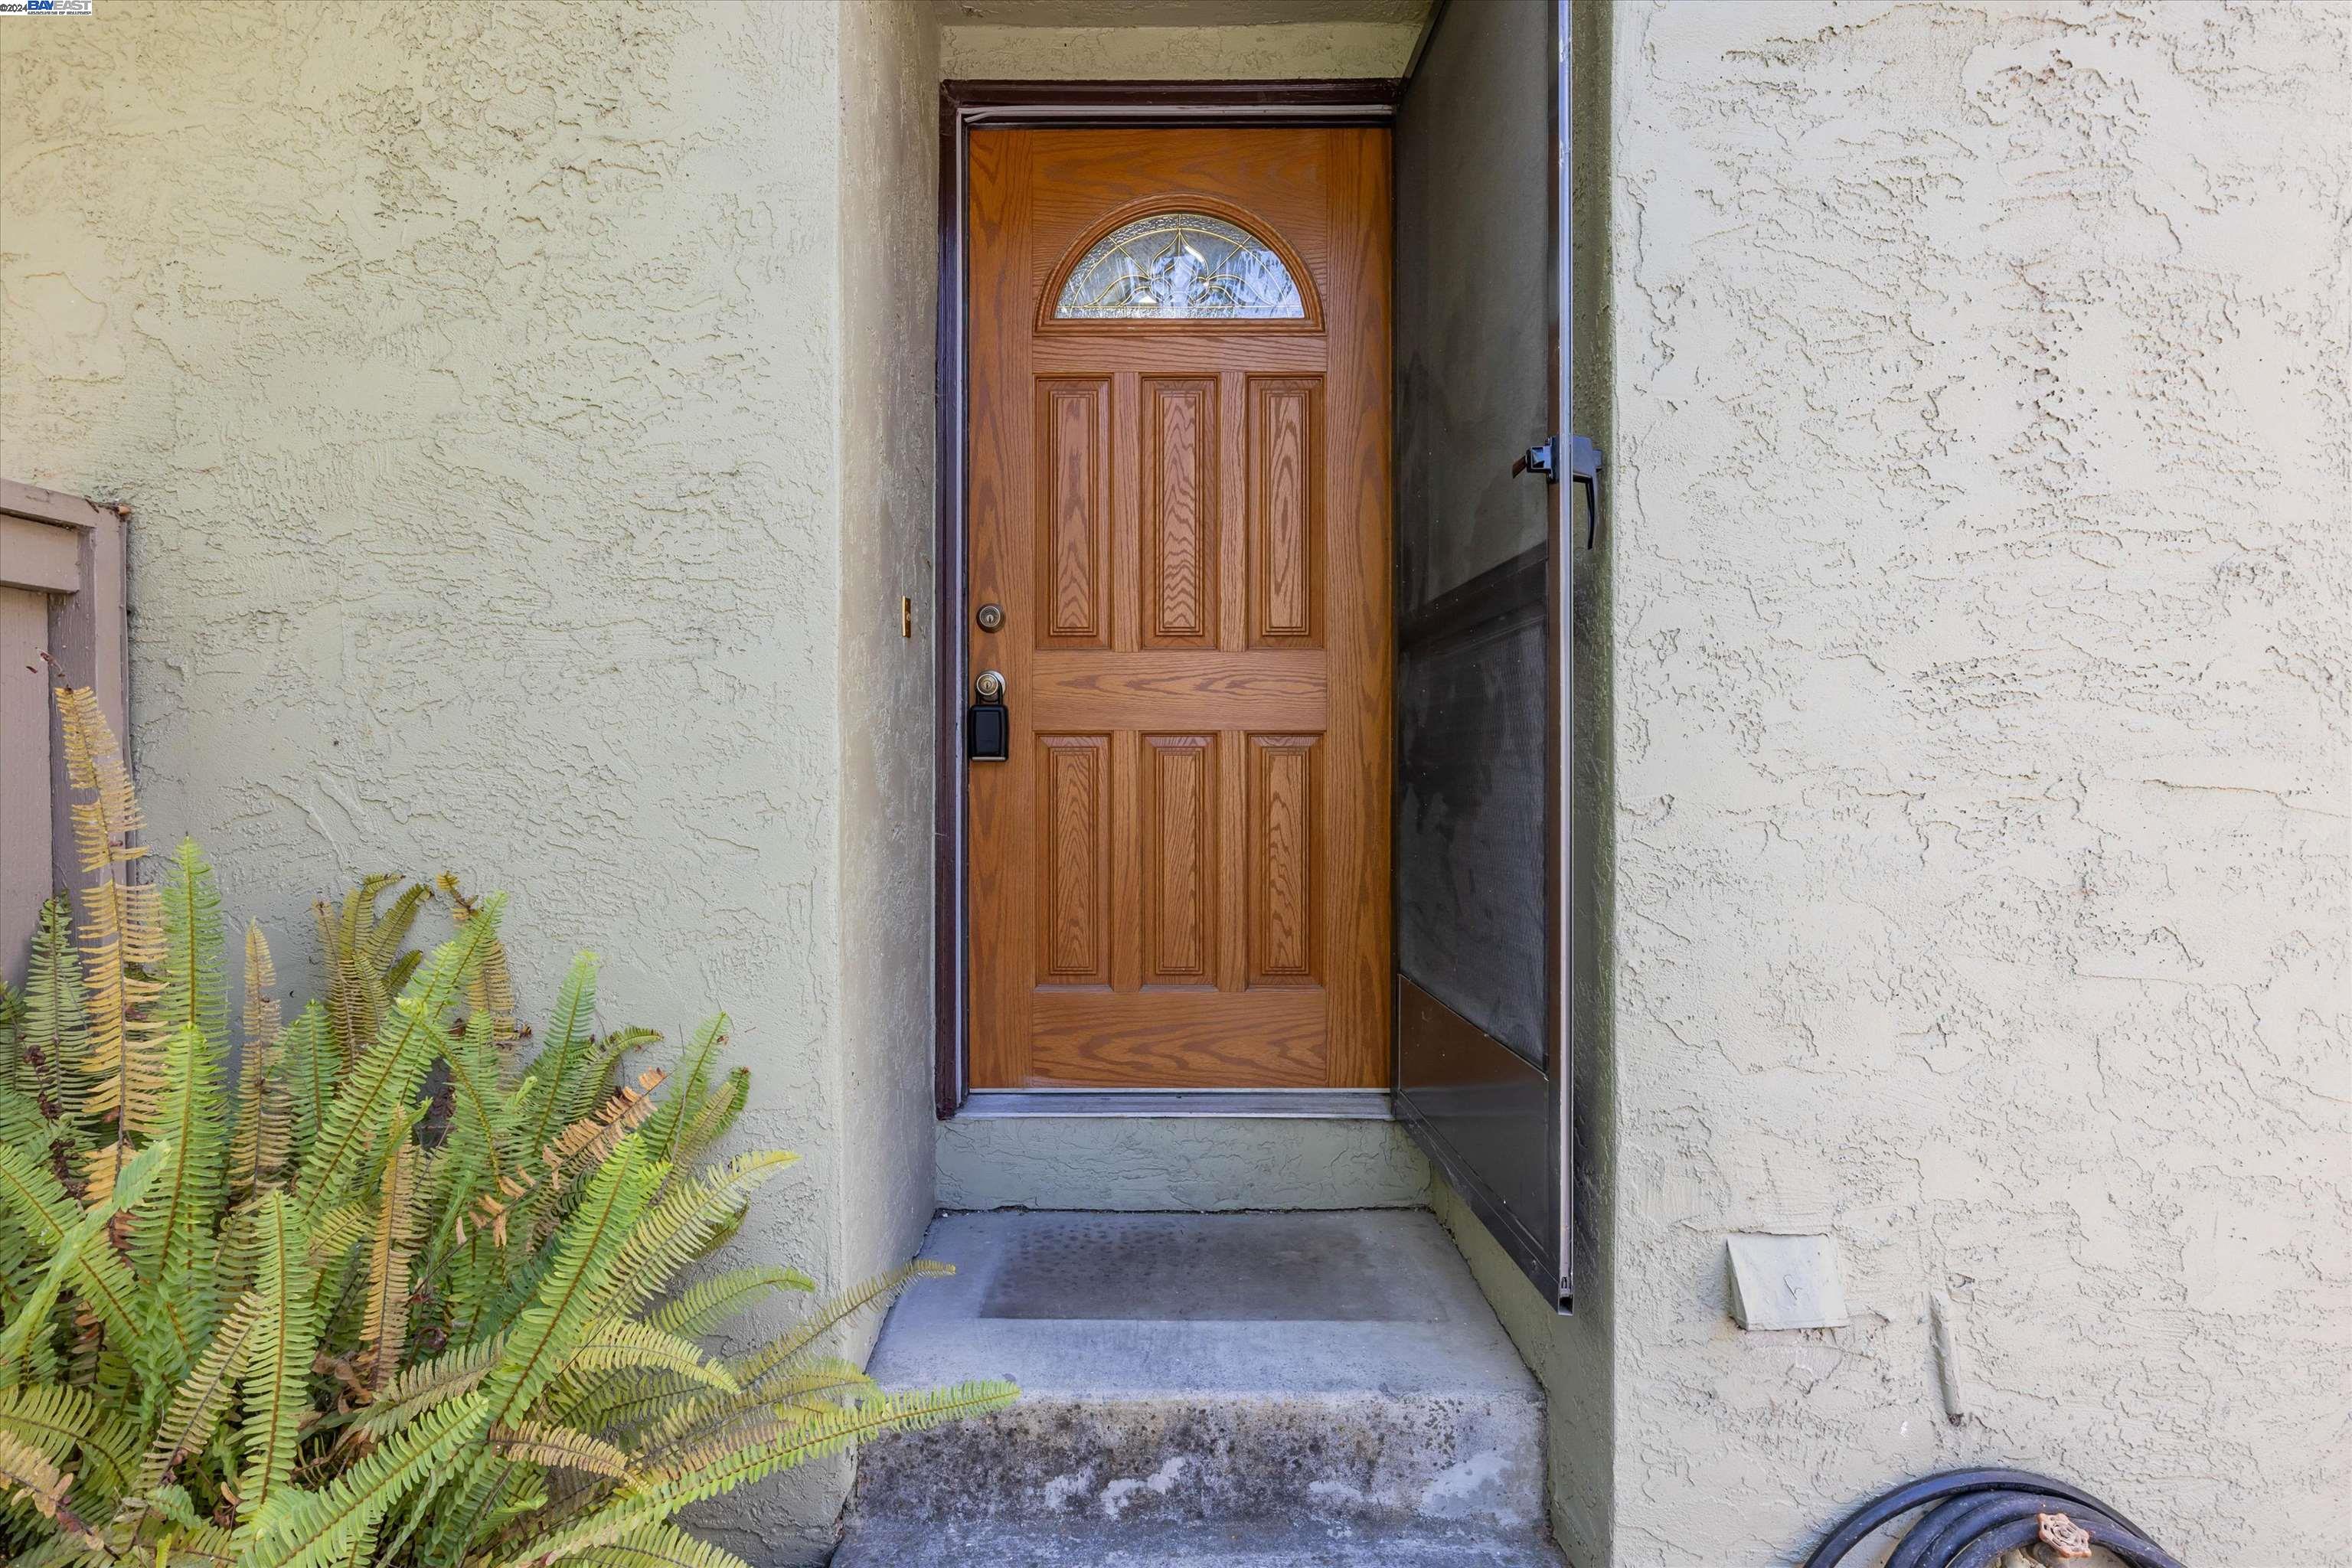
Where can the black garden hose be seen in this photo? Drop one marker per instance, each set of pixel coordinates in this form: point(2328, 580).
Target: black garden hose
point(1936, 1540)
point(1951, 1484)
point(1946, 1526)
point(1986, 1548)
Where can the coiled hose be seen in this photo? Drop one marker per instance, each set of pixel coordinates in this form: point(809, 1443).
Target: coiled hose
point(1973, 1516)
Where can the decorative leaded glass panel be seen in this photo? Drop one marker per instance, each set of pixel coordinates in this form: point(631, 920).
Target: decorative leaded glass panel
point(1180, 266)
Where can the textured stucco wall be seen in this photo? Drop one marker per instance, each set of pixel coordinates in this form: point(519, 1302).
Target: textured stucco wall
point(1343, 48)
point(484, 380)
point(1981, 550)
point(889, 96)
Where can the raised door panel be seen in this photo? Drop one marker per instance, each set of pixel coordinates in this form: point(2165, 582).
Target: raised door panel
point(1179, 511)
point(1285, 858)
point(1073, 487)
point(1181, 1040)
point(1178, 845)
point(1073, 836)
point(1285, 510)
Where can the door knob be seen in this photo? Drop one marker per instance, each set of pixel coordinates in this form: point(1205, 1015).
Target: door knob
point(988, 687)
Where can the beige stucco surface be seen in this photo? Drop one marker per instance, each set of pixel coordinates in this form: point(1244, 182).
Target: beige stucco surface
point(987, 52)
point(889, 98)
point(1984, 576)
point(515, 401)
point(513, 493)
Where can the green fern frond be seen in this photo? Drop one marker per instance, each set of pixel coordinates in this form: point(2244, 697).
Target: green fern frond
point(310, 1067)
point(589, 1245)
point(52, 1420)
point(568, 1298)
point(73, 1238)
point(336, 1231)
point(194, 994)
point(709, 1122)
point(276, 1359)
point(401, 970)
point(752, 1456)
point(109, 1457)
point(61, 1423)
point(429, 1384)
point(189, 1194)
point(202, 1399)
point(390, 932)
point(763, 1364)
point(317, 1528)
point(12, 1023)
point(558, 1448)
point(530, 1199)
point(23, 1125)
point(52, 1034)
point(663, 1133)
point(616, 1345)
point(552, 1093)
point(703, 1305)
point(263, 1139)
point(480, 1114)
point(679, 1230)
point(811, 1385)
point(502, 1238)
point(358, 948)
point(388, 1071)
point(657, 1546)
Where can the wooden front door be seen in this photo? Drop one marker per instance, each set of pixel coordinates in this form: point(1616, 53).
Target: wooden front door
point(1179, 498)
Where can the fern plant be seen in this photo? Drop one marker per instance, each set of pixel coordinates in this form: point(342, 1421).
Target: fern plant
point(391, 1280)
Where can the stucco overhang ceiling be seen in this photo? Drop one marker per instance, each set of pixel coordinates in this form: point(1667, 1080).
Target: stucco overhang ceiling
point(1171, 13)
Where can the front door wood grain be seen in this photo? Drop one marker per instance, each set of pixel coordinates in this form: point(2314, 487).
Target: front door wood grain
point(1180, 878)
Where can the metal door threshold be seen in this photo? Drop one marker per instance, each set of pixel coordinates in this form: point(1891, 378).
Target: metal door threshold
point(1356, 1104)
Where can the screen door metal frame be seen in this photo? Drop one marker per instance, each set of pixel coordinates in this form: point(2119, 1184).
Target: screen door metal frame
point(1478, 1109)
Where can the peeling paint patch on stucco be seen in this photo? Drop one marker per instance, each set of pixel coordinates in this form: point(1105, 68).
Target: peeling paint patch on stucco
point(1983, 562)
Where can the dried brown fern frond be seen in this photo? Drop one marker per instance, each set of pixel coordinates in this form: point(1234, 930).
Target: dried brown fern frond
point(384, 1331)
point(491, 994)
point(122, 938)
point(582, 1146)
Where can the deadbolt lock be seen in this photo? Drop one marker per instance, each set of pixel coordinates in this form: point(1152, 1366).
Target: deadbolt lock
point(990, 616)
point(988, 727)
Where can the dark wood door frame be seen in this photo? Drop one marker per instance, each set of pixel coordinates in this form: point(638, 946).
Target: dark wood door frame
point(965, 106)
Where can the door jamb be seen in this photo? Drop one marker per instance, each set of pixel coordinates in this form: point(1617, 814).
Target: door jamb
point(965, 106)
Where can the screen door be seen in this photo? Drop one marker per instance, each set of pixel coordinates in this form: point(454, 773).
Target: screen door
point(1488, 526)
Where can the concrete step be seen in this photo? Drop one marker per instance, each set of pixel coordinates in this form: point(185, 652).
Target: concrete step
point(1255, 1545)
point(1313, 1387)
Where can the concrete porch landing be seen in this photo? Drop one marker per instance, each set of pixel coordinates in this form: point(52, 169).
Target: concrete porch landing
point(1278, 1390)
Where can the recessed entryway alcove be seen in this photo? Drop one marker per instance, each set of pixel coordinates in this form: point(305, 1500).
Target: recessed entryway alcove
point(1257, 619)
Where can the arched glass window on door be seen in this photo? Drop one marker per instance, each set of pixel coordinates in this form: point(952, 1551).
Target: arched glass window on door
point(1175, 267)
